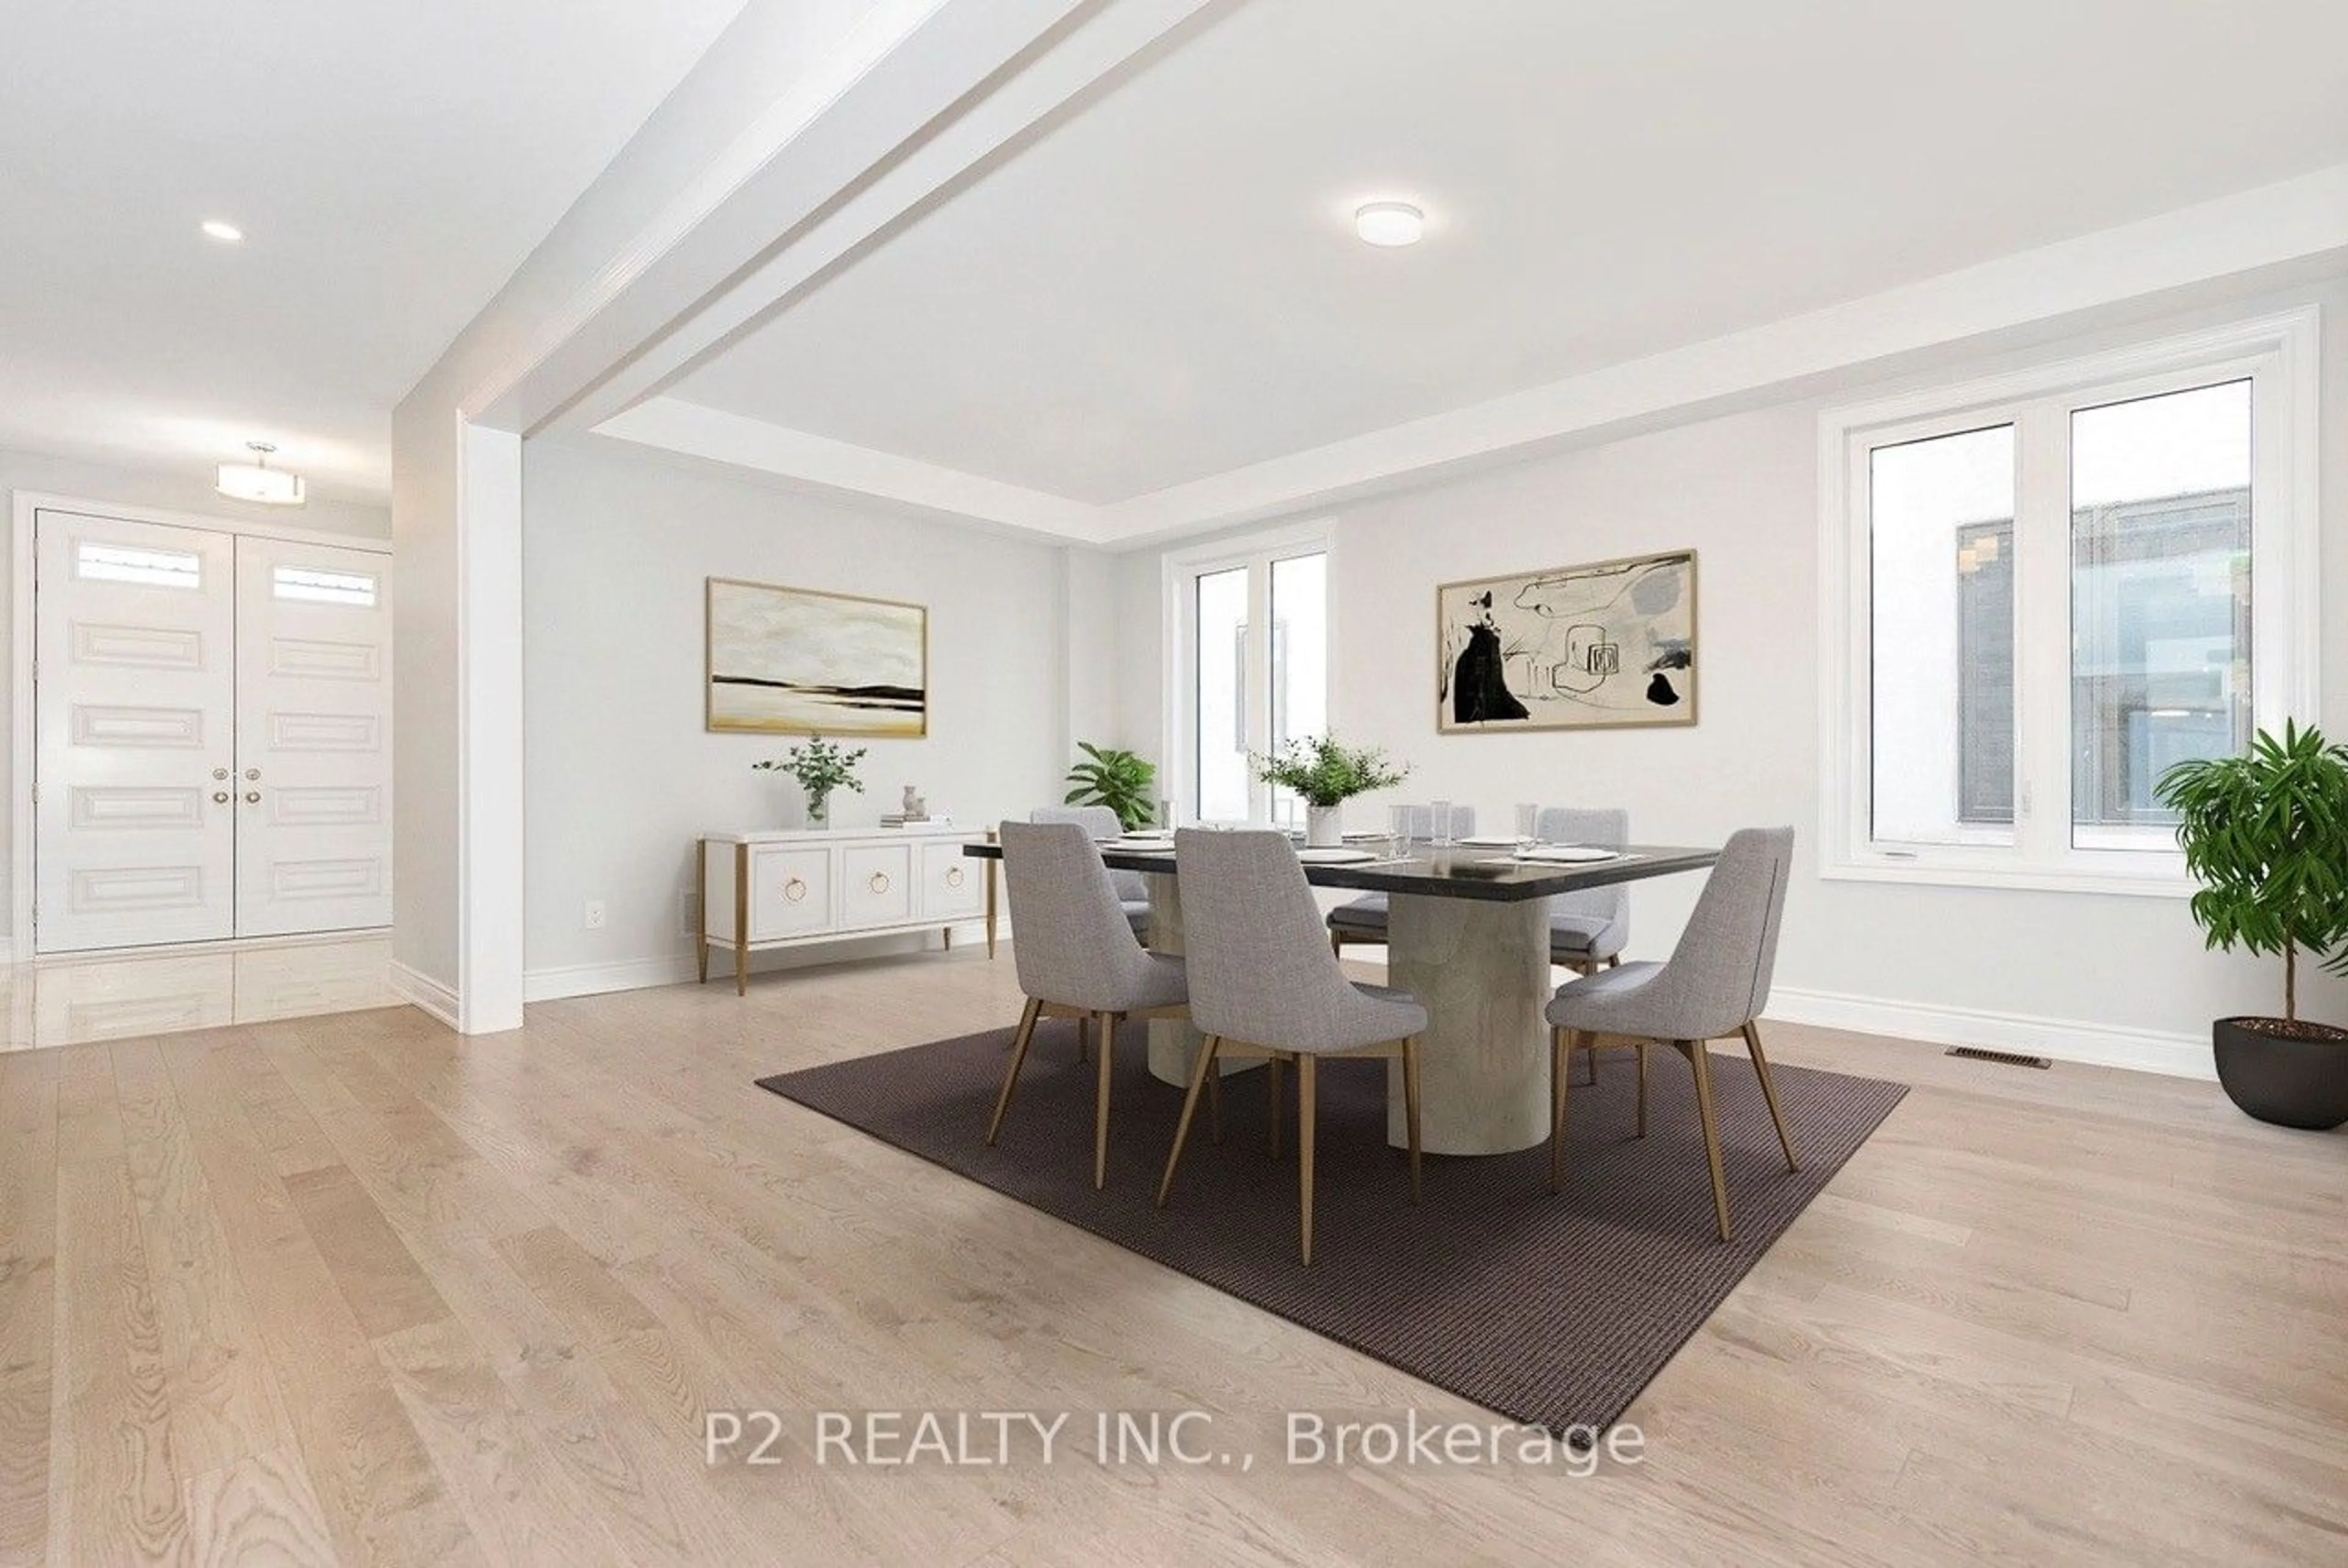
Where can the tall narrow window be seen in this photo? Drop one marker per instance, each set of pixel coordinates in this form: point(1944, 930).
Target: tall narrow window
point(1254, 673)
point(1941, 516)
point(2057, 585)
point(2160, 602)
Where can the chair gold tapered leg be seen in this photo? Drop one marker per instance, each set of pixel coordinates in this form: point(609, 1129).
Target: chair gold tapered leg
point(1643, 1089)
point(1700, 1059)
point(1561, 1075)
point(1589, 1068)
point(1215, 1106)
point(1410, 1112)
point(1304, 1104)
point(1336, 945)
point(1272, 1073)
point(1011, 1075)
point(1100, 1100)
point(1769, 1093)
point(1199, 1076)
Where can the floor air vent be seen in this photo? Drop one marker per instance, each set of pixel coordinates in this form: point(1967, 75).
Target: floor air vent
point(2003, 1058)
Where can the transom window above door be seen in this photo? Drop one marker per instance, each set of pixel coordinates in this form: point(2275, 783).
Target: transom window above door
point(2046, 591)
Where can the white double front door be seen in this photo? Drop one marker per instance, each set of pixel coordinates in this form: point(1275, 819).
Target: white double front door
point(212, 721)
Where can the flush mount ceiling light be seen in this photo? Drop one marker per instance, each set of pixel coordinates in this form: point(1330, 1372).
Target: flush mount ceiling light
point(257, 481)
point(226, 233)
point(1389, 224)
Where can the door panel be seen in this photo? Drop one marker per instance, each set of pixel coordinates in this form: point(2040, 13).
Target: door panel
point(133, 716)
point(314, 730)
point(876, 885)
point(790, 892)
point(950, 884)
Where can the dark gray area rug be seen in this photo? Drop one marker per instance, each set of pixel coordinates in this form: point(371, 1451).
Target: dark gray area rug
point(1551, 1310)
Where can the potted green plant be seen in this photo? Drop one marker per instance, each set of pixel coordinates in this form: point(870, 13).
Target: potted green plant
point(2266, 835)
point(1327, 774)
point(820, 766)
point(1116, 779)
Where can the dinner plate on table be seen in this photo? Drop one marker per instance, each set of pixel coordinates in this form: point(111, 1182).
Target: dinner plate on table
point(1567, 853)
point(1491, 841)
point(1334, 856)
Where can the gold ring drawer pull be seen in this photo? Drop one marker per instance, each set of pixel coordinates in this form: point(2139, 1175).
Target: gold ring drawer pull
point(880, 883)
point(954, 876)
point(795, 890)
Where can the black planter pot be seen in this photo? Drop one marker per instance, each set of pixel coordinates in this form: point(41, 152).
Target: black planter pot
point(2291, 1080)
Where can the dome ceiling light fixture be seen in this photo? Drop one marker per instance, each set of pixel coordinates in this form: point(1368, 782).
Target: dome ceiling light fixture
point(1389, 224)
point(257, 481)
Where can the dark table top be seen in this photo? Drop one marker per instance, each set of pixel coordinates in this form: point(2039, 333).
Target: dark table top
point(1456, 872)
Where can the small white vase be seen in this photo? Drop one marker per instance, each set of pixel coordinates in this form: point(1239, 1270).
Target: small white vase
point(1324, 826)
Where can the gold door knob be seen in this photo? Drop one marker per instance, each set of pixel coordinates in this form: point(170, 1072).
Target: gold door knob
point(879, 882)
point(252, 797)
point(219, 772)
point(795, 890)
point(954, 876)
point(252, 773)
point(220, 797)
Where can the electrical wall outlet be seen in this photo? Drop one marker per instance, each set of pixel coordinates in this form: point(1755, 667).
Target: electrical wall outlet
point(593, 920)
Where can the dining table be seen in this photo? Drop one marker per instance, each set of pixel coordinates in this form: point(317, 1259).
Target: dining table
point(1466, 934)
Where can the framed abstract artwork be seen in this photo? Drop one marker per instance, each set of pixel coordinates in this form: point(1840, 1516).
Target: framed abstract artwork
point(794, 662)
point(1604, 646)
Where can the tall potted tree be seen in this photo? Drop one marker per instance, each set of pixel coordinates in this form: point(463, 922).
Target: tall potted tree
point(1116, 779)
point(2266, 835)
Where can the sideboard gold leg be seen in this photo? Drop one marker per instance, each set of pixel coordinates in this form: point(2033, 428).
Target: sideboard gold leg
point(701, 908)
point(991, 867)
point(741, 919)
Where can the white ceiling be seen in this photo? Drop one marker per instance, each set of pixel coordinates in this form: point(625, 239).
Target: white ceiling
point(391, 160)
point(1166, 286)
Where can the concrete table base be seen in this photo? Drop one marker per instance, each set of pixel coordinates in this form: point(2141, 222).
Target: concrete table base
point(1480, 968)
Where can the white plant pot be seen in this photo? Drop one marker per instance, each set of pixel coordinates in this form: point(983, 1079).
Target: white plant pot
point(1324, 826)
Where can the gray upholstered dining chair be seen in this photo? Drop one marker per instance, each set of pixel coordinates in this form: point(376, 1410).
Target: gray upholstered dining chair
point(1588, 930)
point(1101, 822)
point(1363, 919)
point(1077, 957)
point(1714, 987)
point(1263, 985)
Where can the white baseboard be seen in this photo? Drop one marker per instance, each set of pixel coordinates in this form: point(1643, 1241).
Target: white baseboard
point(554, 983)
point(2065, 1040)
point(593, 979)
point(421, 991)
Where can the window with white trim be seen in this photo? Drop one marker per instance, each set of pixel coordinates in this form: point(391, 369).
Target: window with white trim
point(1251, 670)
point(2046, 588)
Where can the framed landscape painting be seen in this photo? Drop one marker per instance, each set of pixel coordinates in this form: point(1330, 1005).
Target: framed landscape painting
point(794, 662)
point(1607, 645)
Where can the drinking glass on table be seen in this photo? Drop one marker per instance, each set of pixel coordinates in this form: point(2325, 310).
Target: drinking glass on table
point(1440, 831)
point(1527, 825)
point(1398, 825)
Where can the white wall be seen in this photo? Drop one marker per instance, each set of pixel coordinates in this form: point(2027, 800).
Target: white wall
point(621, 776)
point(165, 489)
point(2089, 976)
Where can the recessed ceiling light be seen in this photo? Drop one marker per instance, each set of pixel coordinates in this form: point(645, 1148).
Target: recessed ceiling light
point(226, 233)
point(1389, 224)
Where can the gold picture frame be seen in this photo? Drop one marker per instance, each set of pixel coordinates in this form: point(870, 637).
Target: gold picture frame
point(782, 660)
point(1608, 644)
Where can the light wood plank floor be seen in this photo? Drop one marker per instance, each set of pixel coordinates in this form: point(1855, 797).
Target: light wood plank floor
point(353, 1288)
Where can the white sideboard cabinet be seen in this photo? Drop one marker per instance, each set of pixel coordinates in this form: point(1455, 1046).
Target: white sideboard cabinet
point(793, 889)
